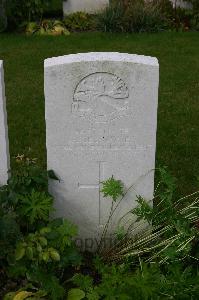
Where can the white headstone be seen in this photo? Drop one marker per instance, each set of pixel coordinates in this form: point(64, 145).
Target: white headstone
point(182, 4)
point(101, 112)
point(4, 148)
point(89, 6)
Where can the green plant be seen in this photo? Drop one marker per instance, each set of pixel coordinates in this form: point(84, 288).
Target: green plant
point(79, 21)
point(112, 188)
point(46, 27)
point(144, 281)
point(25, 294)
point(34, 248)
point(35, 206)
point(171, 226)
point(76, 294)
point(133, 16)
point(26, 196)
point(111, 18)
point(194, 23)
point(10, 234)
point(37, 253)
point(144, 17)
point(44, 254)
point(195, 4)
point(165, 7)
point(17, 211)
point(25, 10)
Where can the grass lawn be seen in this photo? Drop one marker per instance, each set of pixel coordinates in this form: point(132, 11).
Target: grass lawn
point(178, 114)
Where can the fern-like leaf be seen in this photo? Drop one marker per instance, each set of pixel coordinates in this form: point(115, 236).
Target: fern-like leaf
point(35, 206)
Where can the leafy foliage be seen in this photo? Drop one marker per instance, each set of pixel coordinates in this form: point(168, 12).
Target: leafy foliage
point(143, 282)
point(25, 10)
point(75, 294)
point(62, 231)
point(9, 234)
point(23, 294)
point(35, 247)
point(171, 230)
point(35, 206)
point(144, 17)
point(45, 27)
point(147, 16)
point(32, 246)
point(79, 21)
point(112, 188)
point(132, 16)
point(111, 18)
point(48, 281)
point(40, 254)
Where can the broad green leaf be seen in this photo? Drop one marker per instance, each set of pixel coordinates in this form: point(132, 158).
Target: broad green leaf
point(43, 241)
point(45, 256)
point(9, 296)
point(29, 252)
point(75, 294)
point(20, 251)
point(54, 254)
point(22, 295)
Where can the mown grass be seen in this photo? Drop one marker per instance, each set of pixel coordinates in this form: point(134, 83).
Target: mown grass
point(178, 114)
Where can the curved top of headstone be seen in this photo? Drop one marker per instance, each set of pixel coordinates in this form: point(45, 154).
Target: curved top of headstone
point(101, 56)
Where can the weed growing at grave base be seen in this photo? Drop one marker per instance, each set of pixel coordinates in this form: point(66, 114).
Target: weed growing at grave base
point(39, 260)
point(159, 262)
point(146, 281)
point(34, 249)
point(172, 224)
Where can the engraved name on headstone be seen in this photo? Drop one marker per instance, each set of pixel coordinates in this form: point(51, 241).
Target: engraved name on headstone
point(4, 148)
point(101, 115)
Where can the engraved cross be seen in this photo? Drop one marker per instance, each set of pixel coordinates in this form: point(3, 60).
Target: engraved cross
point(101, 165)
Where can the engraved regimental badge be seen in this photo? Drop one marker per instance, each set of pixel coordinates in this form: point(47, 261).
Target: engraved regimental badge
point(101, 98)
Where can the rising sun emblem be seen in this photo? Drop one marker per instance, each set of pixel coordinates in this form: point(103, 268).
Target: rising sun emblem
point(101, 97)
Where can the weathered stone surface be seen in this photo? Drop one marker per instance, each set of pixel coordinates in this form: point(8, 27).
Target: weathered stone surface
point(90, 6)
point(101, 111)
point(4, 149)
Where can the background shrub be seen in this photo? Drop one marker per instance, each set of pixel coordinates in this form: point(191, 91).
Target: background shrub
point(141, 17)
point(3, 18)
point(54, 9)
point(165, 6)
point(79, 21)
point(134, 16)
point(111, 18)
point(25, 10)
